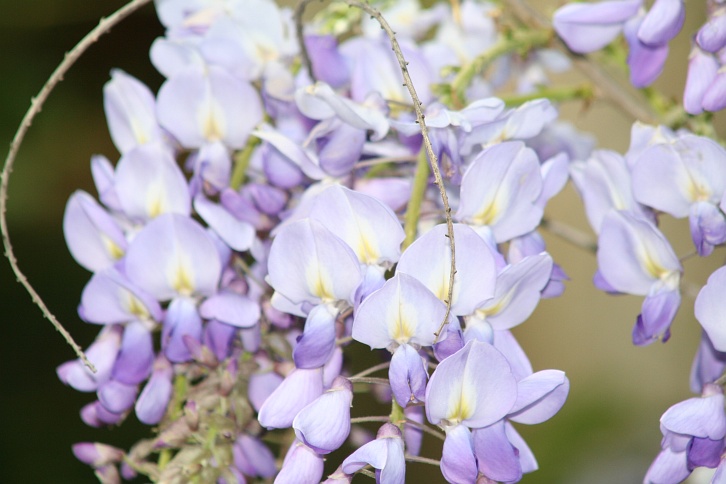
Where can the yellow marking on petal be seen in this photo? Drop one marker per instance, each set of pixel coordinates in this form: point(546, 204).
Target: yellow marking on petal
point(155, 207)
point(366, 252)
point(698, 192)
point(212, 129)
point(266, 53)
point(497, 308)
point(112, 247)
point(652, 267)
point(402, 330)
point(139, 132)
point(482, 313)
point(442, 292)
point(657, 271)
point(136, 307)
point(488, 215)
point(320, 287)
point(183, 281)
point(461, 409)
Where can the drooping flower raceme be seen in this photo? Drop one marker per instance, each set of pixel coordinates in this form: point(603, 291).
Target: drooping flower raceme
point(251, 231)
point(634, 257)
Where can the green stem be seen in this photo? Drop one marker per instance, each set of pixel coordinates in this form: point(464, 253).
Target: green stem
point(180, 395)
point(164, 458)
point(397, 416)
point(418, 190)
point(584, 92)
point(242, 162)
point(521, 41)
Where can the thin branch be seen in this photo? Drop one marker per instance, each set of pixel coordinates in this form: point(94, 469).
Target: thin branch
point(588, 243)
point(36, 104)
point(691, 254)
point(343, 341)
point(366, 473)
point(369, 419)
point(407, 421)
point(570, 234)
point(583, 92)
point(373, 369)
point(426, 429)
point(299, 12)
point(417, 106)
point(384, 160)
point(370, 380)
point(518, 41)
point(623, 97)
point(423, 460)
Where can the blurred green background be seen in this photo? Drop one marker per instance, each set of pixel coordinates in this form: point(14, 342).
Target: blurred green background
point(606, 433)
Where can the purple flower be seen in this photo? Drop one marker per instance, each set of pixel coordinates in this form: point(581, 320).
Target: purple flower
point(693, 435)
point(253, 457)
point(475, 267)
point(131, 112)
point(711, 36)
point(96, 454)
point(587, 27)
point(308, 263)
point(324, 424)
point(702, 70)
point(297, 390)
point(301, 464)
point(474, 387)
point(500, 190)
point(94, 239)
point(645, 60)
point(385, 454)
point(634, 257)
point(683, 178)
point(154, 398)
point(710, 309)
point(663, 22)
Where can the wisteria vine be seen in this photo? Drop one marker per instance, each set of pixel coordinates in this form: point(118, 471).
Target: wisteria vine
point(296, 188)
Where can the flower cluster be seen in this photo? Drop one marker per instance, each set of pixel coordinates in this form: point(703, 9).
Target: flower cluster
point(679, 174)
point(682, 175)
point(228, 291)
point(272, 208)
point(586, 28)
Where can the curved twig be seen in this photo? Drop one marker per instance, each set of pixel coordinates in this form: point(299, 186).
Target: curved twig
point(417, 107)
point(104, 25)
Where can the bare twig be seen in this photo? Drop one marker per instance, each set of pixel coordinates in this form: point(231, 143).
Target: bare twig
point(570, 234)
point(417, 106)
point(299, 12)
point(356, 420)
point(372, 369)
point(425, 428)
point(35, 106)
point(369, 380)
point(422, 460)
